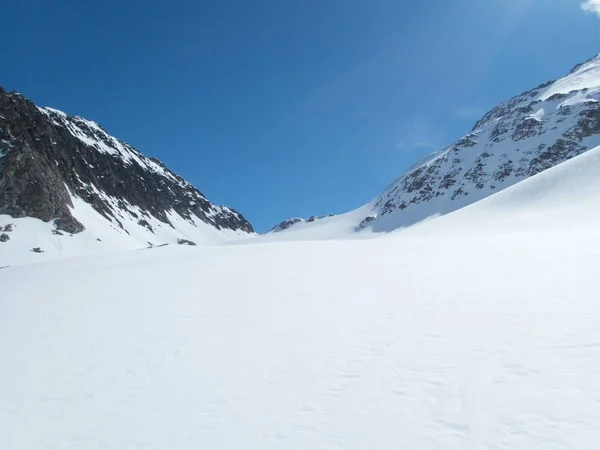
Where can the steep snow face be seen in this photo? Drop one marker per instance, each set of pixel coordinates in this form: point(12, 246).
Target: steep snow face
point(488, 340)
point(585, 76)
point(516, 140)
point(28, 240)
point(62, 175)
point(564, 197)
point(520, 138)
point(93, 135)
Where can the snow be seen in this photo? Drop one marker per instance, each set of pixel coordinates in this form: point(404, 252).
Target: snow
point(539, 115)
point(93, 135)
point(52, 110)
point(576, 98)
point(562, 197)
point(333, 227)
point(587, 76)
point(103, 235)
point(497, 154)
point(476, 330)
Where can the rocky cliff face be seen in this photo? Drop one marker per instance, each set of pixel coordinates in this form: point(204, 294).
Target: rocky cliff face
point(48, 159)
point(517, 139)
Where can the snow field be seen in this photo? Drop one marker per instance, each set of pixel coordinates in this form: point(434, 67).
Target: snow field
point(419, 340)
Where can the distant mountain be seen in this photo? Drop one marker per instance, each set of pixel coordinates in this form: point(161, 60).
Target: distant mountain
point(519, 138)
point(71, 174)
point(289, 222)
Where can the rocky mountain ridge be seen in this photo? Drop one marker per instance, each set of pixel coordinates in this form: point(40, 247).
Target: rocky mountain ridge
point(517, 139)
point(49, 161)
point(293, 221)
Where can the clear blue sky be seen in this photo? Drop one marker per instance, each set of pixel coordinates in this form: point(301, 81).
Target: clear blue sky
point(288, 108)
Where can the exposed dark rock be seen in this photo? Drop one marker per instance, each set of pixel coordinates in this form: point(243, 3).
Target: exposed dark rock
point(186, 242)
point(37, 250)
point(286, 224)
point(363, 223)
point(145, 223)
point(31, 183)
point(561, 151)
point(557, 97)
point(290, 222)
point(4, 237)
point(469, 140)
point(503, 171)
point(460, 192)
point(528, 128)
point(47, 155)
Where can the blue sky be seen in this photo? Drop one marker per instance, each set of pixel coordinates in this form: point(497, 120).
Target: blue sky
point(288, 108)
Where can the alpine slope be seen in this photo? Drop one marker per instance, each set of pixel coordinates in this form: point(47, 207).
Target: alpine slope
point(517, 139)
point(68, 189)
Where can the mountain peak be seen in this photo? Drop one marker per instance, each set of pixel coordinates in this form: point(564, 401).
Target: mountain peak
point(71, 174)
point(517, 139)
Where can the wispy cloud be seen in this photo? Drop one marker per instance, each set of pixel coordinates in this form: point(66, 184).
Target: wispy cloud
point(591, 6)
point(420, 135)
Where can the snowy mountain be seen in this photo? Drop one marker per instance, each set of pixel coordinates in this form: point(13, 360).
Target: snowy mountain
point(296, 220)
point(517, 139)
point(69, 188)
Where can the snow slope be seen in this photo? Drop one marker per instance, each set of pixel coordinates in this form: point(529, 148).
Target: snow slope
point(564, 197)
point(519, 138)
point(476, 330)
point(102, 236)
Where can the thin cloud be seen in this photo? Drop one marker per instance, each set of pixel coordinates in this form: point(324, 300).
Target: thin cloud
point(419, 135)
point(591, 6)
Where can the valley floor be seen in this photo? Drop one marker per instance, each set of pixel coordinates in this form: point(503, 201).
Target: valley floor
point(403, 342)
point(461, 333)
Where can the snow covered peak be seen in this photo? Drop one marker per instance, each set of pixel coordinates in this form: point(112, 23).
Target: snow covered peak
point(65, 176)
point(94, 136)
point(585, 76)
point(517, 139)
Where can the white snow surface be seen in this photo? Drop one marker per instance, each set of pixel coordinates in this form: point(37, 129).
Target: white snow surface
point(586, 76)
point(476, 330)
point(102, 235)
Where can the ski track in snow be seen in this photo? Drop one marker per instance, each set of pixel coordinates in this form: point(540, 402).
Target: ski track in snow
point(476, 330)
